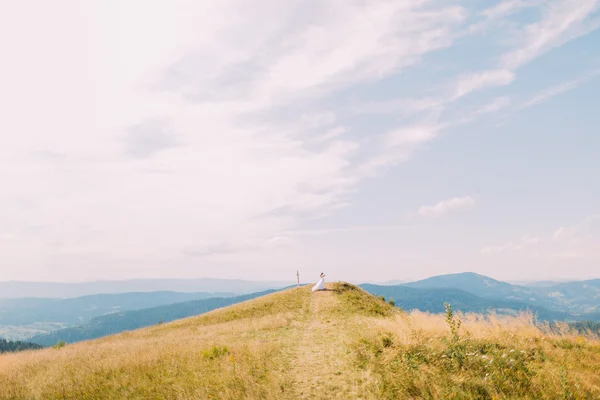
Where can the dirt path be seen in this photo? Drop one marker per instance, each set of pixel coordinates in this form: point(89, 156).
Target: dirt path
point(320, 360)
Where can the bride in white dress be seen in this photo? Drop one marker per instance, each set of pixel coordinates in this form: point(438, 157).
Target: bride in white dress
point(321, 284)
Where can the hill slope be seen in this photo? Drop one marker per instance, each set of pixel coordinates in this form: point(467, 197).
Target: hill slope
point(342, 343)
point(130, 320)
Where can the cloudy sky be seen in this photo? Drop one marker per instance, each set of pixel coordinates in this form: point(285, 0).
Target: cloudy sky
point(371, 140)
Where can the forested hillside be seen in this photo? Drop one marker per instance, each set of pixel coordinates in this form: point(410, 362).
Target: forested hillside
point(7, 346)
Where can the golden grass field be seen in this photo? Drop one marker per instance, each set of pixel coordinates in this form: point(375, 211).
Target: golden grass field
point(337, 344)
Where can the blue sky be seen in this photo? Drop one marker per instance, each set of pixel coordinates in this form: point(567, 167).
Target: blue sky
point(370, 140)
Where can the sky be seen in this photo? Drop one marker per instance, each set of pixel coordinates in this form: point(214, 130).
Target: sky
point(370, 140)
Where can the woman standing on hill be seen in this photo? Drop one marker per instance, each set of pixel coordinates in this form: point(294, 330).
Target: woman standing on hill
point(321, 284)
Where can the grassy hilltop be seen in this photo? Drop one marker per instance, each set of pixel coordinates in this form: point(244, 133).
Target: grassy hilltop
point(342, 343)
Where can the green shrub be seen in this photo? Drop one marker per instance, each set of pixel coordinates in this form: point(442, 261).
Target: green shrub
point(215, 352)
point(60, 344)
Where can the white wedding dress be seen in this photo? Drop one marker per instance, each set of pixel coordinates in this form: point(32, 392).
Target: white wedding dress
point(320, 285)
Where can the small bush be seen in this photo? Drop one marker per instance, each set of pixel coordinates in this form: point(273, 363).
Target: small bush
point(453, 322)
point(387, 341)
point(215, 352)
point(60, 344)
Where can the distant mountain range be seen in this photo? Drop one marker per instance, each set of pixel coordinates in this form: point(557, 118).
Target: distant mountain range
point(568, 300)
point(79, 310)
point(130, 320)
point(74, 319)
point(432, 300)
point(536, 283)
point(16, 289)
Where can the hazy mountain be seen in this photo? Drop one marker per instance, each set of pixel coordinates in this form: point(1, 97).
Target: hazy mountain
point(24, 332)
point(393, 282)
point(587, 327)
point(476, 284)
point(573, 297)
point(432, 300)
point(14, 289)
point(129, 320)
point(582, 296)
point(535, 283)
point(81, 309)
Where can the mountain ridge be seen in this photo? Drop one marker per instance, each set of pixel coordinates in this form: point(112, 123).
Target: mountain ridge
point(572, 297)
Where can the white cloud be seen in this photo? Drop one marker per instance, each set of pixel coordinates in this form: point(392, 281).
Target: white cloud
point(446, 206)
point(551, 92)
point(495, 249)
point(351, 229)
point(580, 241)
point(144, 132)
point(562, 21)
point(399, 145)
point(331, 134)
point(525, 242)
point(411, 135)
point(496, 104)
point(558, 89)
point(280, 241)
point(234, 87)
point(480, 80)
point(559, 233)
point(402, 106)
point(508, 7)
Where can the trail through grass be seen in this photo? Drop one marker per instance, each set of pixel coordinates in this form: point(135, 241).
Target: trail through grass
point(322, 364)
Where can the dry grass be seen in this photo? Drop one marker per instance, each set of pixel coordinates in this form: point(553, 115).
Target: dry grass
point(341, 343)
point(415, 356)
point(226, 354)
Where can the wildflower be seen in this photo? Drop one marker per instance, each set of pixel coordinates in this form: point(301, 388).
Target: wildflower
point(443, 356)
point(504, 355)
point(484, 357)
point(512, 351)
